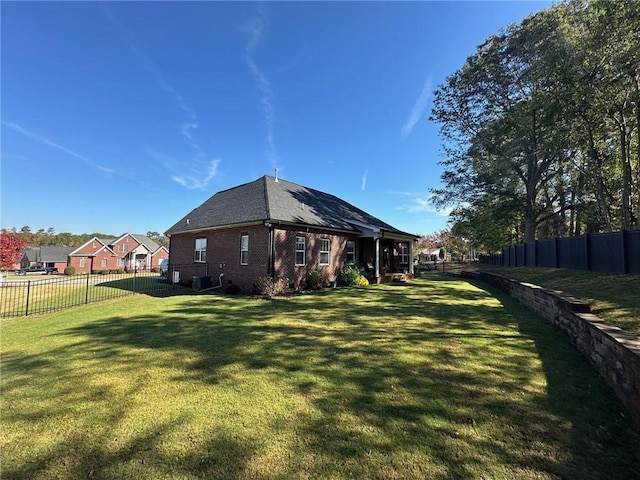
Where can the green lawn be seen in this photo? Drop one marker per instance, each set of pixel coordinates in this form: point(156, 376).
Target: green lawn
point(439, 379)
point(613, 297)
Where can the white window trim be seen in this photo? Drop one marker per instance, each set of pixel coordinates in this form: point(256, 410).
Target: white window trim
point(103, 262)
point(403, 253)
point(202, 257)
point(82, 263)
point(303, 251)
point(244, 249)
point(327, 252)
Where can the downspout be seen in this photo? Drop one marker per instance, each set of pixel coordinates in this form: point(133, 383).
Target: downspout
point(271, 255)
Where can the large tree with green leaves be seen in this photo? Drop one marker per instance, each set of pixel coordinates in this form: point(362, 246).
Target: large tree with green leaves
point(540, 126)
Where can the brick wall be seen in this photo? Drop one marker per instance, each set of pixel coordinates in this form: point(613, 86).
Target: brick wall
point(285, 241)
point(223, 255)
point(614, 353)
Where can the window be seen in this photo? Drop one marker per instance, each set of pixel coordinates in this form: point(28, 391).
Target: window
point(244, 249)
point(351, 252)
point(121, 262)
point(83, 262)
point(103, 263)
point(403, 251)
point(200, 252)
point(325, 248)
point(123, 248)
point(301, 243)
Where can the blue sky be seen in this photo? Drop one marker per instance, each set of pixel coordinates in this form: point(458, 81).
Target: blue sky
point(124, 116)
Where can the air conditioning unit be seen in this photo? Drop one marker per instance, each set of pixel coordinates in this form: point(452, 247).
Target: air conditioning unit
point(201, 283)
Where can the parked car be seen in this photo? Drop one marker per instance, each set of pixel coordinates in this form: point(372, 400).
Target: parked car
point(41, 269)
point(164, 266)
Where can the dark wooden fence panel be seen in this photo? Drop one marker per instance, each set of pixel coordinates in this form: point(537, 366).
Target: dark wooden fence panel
point(632, 250)
point(615, 252)
point(607, 253)
point(547, 254)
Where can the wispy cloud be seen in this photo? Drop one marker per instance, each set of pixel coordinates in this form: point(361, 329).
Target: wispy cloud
point(423, 205)
point(364, 180)
point(191, 123)
point(203, 169)
point(418, 109)
point(44, 140)
point(200, 179)
point(194, 173)
point(255, 29)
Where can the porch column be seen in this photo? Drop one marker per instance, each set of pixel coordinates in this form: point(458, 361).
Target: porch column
point(377, 264)
point(411, 257)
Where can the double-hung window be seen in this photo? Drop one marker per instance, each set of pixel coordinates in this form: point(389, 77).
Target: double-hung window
point(83, 262)
point(200, 252)
point(403, 251)
point(244, 249)
point(351, 252)
point(301, 245)
point(103, 263)
point(325, 250)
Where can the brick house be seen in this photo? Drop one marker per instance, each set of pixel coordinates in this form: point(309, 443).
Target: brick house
point(129, 251)
point(93, 255)
point(278, 228)
point(137, 251)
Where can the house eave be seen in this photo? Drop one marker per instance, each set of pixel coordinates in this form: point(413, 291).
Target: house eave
point(216, 227)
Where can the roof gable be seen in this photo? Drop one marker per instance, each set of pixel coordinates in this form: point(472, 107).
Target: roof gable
point(88, 249)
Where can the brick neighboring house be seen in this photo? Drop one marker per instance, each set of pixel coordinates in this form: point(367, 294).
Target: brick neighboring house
point(275, 227)
point(128, 251)
point(138, 251)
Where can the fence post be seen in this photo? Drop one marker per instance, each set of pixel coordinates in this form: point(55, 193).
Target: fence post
point(86, 292)
point(26, 311)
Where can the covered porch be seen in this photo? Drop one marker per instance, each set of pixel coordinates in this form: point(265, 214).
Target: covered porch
point(385, 256)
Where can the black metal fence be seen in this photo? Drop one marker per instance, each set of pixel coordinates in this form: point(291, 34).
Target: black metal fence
point(27, 297)
point(614, 252)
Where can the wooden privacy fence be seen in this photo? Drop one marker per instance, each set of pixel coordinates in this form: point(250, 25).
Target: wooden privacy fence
point(614, 252)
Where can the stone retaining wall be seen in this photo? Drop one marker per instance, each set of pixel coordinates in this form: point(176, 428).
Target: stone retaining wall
point(613, 352)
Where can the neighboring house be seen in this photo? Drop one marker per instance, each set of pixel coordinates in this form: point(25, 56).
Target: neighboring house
point(93, 255)
point(29, 257)
point(138, 251)
point(127, 252)
point(274, 227)
point(49, 256)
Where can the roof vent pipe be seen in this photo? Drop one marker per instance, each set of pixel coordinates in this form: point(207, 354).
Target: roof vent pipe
point(276, 174)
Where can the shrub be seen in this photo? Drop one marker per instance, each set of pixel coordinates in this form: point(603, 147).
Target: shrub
point(349, 276)
point(362, 281)
point(69, 270)
point(232, 289)
point(117, 271)
point(271, 286)
point(316, 280)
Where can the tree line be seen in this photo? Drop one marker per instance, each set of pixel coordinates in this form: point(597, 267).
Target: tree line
point(49, 237)
point(541, 128)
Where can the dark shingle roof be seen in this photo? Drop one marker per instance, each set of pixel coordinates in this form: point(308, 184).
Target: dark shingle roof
point(55, 254)
point(146, 241)
point(277, 200)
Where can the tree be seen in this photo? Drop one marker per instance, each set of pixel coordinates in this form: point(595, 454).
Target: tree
point(11, 247)
point(502, 117)
point(158, 238)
